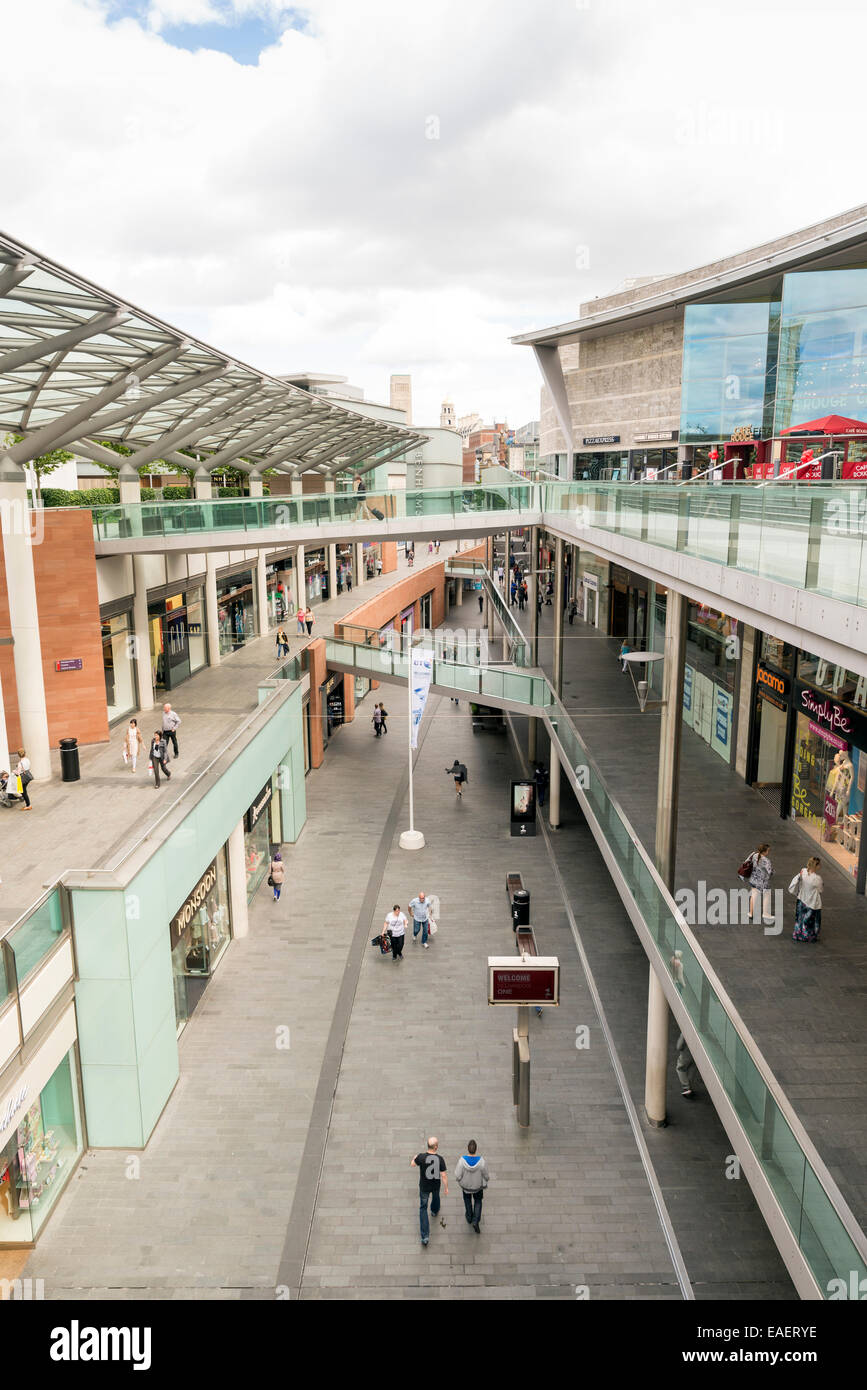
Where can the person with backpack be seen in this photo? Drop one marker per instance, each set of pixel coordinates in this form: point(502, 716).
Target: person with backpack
point(383, 716)
point(459, 772)
point(472, 1177)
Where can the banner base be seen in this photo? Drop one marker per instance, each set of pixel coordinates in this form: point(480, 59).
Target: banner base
point(412, 839)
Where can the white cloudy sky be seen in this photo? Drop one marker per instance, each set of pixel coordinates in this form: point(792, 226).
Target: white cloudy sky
point(265, 177)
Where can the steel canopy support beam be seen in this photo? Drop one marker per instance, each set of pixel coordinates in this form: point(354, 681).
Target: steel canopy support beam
point(77, 422)
point(192, 428)
point(551, 368)
point(14, 274)
point(46, 347)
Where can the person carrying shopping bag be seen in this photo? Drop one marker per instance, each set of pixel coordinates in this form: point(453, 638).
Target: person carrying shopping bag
point(133, 743)
point(760, 873)
point(807, 886)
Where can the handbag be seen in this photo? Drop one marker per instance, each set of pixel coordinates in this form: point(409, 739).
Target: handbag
point(270, 880)
point(746, 868)
point(432, 927)
point(795, 885)
point(26, 778)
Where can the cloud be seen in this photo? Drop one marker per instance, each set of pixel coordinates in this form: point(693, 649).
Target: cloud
point(400, 187)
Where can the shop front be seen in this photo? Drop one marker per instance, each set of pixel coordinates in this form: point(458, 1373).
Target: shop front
point(593, 594)
point(177, 636)
point(258, 838)
point(373, 559)
point(201, 930)
point(315, 576)
point(769, 769)
point(41, 1138)
point(830, 761)
point(628, 612)
point(236, 610)
point(118, 660)
point(281, 604)
point(711, 671)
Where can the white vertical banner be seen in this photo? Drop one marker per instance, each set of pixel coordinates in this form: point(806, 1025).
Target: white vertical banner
point(421, 673)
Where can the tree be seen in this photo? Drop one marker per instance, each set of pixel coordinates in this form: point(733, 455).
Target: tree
point(45, 463)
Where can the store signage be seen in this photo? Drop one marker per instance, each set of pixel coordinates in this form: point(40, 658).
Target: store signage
point(687, 689)
point(601, 439)
point(182, 919)
point(534, 981)
point(590, 581)
point(69, 663)
point(826, 712)
point(743, 433)
point(722, 714)
point(779, 684)
point(833, 739)
point(13, 1104)
point(657, 437)
point(258, 806)
point(853, 468)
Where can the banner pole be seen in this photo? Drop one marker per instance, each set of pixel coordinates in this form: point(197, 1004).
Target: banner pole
point(412, 838)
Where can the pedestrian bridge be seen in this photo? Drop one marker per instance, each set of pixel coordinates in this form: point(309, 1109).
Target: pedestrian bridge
point(793, 553)
point(809, 1219)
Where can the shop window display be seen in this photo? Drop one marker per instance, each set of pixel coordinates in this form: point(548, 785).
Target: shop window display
point(830, 775)
point(201, 931)
point(257, 850)
point(36, 1162)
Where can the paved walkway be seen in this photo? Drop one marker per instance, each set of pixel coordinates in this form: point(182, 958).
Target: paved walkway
point(231, 1202)
point(287, 1171)
point(76, 825)
point(804, 1006)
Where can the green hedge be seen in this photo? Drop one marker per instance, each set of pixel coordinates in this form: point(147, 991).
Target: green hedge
point(109, 496)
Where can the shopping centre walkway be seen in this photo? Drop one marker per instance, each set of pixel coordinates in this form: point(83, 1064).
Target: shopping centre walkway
point(281, 1171)
point(76, 825)
point(805, 1006)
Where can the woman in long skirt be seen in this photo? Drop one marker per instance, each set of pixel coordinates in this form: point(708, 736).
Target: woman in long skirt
point(808, 908)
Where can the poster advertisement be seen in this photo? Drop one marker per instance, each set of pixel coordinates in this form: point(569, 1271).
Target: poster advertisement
point(420, 679)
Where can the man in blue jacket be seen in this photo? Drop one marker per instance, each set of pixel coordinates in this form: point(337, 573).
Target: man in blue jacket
point(472, 1177)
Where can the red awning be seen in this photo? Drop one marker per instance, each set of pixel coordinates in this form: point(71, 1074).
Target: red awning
point(829, 424)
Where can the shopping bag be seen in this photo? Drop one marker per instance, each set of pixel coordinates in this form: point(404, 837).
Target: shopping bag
point(432, 927)
point(151, 769)
point(795, 885)
point(125, 756)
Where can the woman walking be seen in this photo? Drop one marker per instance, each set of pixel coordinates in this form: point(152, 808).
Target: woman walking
point(158, 757)
point(132, 743)
point(277, 874)
point(760, 884)
point(300, 616)
point(383, 715)
point(22, 770)
point(808, 909)
point(309, 620)
point(282, 643)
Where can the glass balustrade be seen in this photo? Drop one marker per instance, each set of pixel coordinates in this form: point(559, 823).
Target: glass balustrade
point(31, 939)
point(824, 1237)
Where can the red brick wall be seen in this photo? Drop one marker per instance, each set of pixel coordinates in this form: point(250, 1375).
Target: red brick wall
point(318, 674)
point(69, 626)
point(385, 607)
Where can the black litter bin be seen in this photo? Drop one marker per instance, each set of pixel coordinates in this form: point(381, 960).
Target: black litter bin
point(69, 768)
point(520, 909)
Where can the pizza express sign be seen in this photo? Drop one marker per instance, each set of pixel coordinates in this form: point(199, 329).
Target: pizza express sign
point(182, 919)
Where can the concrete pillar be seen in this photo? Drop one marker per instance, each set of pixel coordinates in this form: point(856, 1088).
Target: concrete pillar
point(203, 490)
point(666, 840)
point(657, 1053)
point(256, 487)
point(559, 581)
point(533, 593)
point(331, 561)
point(129, 487)
point(295, 487)
point(459, 591)
point(554, 788)
point(237, 857)
point(18, 542)
point(359, 577)
point(298, 578)
point(4, 736)
point(262, 593)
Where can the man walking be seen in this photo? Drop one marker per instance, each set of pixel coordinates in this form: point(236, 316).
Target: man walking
point(395, 930)
point(481, 601)
point(472, 1177)
point(383, 716)
point(376, 721)
point(684, 1068)
point(171, 721)
point(432, 1170)
point(419, 911)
